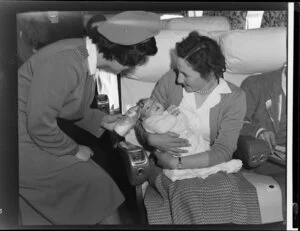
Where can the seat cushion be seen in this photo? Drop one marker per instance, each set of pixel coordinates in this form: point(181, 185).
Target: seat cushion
point(255, 50)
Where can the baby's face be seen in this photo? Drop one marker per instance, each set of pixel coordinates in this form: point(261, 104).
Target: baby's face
point(152, 107)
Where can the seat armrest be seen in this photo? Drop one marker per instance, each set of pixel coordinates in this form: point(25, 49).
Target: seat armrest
point(136, 162)
point(251, 151)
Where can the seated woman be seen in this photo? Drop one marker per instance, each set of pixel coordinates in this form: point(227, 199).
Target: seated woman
point(155, 119)
point(197, 84)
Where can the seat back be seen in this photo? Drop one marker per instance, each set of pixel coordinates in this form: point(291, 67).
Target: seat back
point(247, 52)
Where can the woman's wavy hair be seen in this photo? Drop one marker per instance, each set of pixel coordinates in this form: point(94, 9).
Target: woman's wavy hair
point(132, 55)
point(203, 54)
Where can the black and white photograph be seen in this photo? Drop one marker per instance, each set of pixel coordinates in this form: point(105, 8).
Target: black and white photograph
point(150, 115)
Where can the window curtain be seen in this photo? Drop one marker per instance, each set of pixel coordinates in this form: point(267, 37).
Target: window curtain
point(274, 19)
point(237, 19)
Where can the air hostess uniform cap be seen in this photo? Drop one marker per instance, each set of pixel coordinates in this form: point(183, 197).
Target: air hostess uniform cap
point(130, 27)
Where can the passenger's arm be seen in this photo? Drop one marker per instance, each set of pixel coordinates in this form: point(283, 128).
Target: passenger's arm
point(252, 91)
point(253, 127)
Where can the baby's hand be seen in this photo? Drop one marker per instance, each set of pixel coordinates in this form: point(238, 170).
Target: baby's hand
point(173, 110)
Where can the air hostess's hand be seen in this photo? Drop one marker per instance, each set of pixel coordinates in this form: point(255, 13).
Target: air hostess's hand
point(84, 153)
point(168, 142)
point(109, 121)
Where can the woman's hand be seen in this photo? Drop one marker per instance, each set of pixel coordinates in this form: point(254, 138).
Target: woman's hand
point(269, 137)
point(109, 121)
point(173, 110)
point(84, 153)
point(168, 142)
point(166, 160)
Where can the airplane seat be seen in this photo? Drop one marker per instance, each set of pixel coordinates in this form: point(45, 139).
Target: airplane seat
point(247, 52)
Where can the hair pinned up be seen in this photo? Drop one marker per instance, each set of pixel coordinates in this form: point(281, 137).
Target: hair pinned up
point(203, 53)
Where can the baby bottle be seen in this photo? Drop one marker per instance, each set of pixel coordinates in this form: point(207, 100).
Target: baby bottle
point(129, 120)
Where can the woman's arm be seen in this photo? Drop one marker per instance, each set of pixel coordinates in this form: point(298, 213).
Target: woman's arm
point(159, 93)
point(51, 84)
point(225, 143)
point(167, 141)
point(91, 121)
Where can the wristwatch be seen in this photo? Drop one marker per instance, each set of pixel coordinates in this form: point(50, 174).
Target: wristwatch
point(179, 166)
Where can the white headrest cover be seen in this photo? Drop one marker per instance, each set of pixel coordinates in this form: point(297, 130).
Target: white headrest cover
point(160, 63)
point(254, 51)
point(205, 23)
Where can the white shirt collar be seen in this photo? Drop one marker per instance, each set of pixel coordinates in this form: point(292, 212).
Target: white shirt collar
point(223, 87)
point(215, 96)
point(283, 81)
point(92, 58)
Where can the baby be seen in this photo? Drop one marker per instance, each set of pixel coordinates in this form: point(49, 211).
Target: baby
point(155, 119)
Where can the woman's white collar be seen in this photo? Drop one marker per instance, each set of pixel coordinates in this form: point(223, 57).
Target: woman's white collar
point(215, 97)
point(223, 87)
point(92, 58)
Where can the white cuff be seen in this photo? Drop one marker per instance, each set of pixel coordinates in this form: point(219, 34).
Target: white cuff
point(259, 131)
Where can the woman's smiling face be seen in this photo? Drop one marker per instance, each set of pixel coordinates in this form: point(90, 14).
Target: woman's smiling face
point(190, 79)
